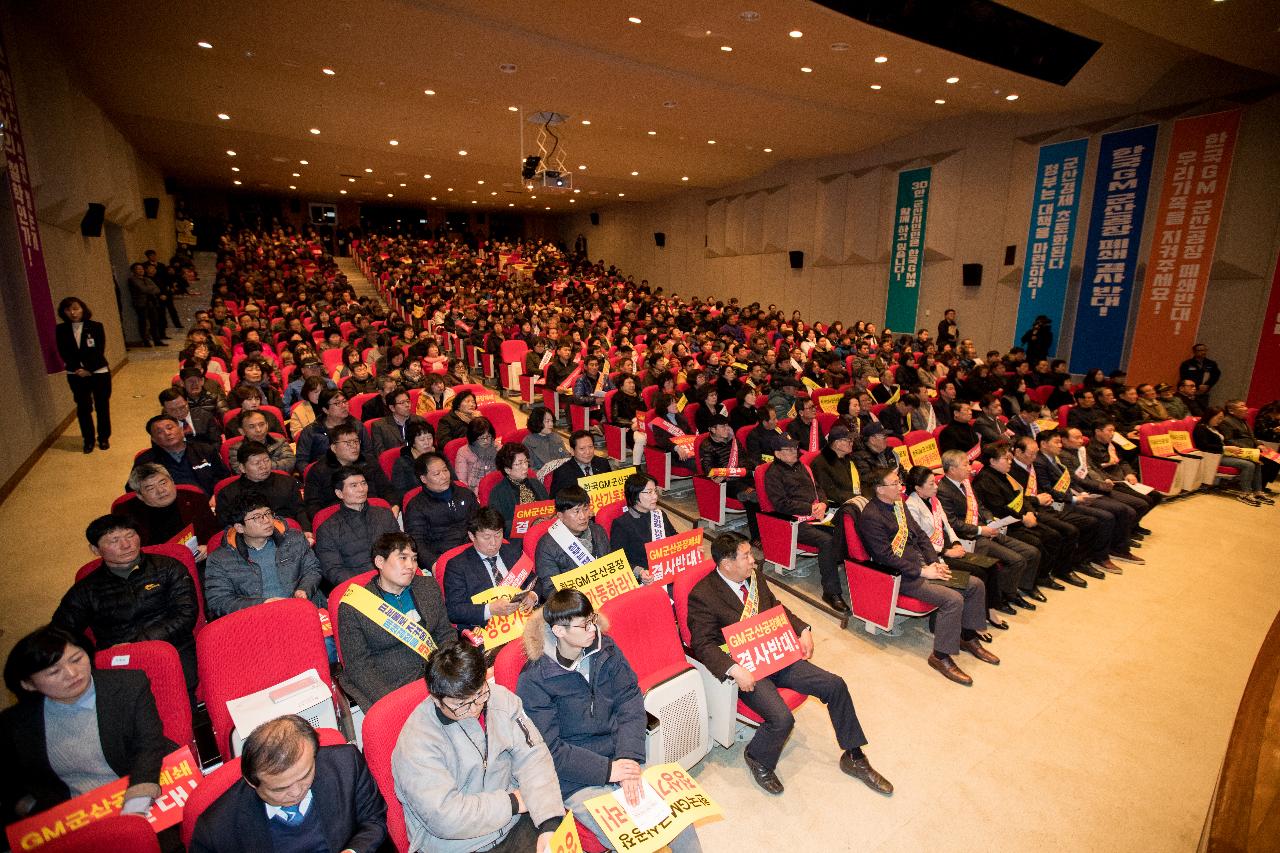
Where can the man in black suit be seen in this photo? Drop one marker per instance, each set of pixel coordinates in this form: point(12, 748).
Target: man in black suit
point(987, 419)
point(295, 795)
point(483, 566)
point(1092, 537)
point(725, 597)
point(198, 425)
point(1115, 520)
point(583, 463)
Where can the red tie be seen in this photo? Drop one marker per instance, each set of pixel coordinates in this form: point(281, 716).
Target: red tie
point(745, 592)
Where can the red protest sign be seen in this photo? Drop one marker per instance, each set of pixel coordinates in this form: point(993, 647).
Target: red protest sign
point(763, 644)
point(527, 515)
point(670, 556)
point(179, 775)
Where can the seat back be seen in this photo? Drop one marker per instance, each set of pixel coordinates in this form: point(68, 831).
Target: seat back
point(487, 482)
point(507, 665)
point(117, 833)
point(227, 446)
point(922, 448)
point(253, 649)
point(643, 625)
point(609, 513)
point(178, 552)
point(515, 436)
point(381, 731)
point(500, 415)
point(536, 532)
point(335, 598)
point(451, 451)
point(684, 584)
point(766, 505)
point(437, 569)
point(433, 417)
point(355, 405)
point(159, 660)
point(387, 460)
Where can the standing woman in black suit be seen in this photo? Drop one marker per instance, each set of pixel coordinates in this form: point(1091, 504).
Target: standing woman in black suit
point(82, 343)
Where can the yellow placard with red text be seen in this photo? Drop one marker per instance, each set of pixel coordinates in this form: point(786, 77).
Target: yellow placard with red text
point(904, 457)
point(565, 838)
point(687, 802)
point(605, 488)
point(1181, 441)
point(670, 556)
point(1160, 444)
point(600, 580)
point(926, 453)
point(500, 630)
point(1250, 453)
point(527, 515)
point(828, 402)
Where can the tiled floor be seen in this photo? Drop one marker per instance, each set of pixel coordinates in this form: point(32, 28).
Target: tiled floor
point(1103, 729)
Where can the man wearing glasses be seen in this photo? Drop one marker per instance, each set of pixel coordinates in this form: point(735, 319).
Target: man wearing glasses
point(470, 768)
point(572, 541)
point(344, 450)
point(260, 560)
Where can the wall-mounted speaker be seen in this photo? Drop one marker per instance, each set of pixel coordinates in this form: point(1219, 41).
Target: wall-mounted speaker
point(971, 274)
point(170, 186)
point(595, 218)
point(91, 225)
point(659, 239)
point(797, 259)
point(295, 205)
point(151, 207)
point(1010, 254)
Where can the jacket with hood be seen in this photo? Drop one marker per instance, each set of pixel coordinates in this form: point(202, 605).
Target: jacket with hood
point(233, 581)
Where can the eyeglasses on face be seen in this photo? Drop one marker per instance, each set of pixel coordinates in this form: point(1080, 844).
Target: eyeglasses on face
point(467, 706)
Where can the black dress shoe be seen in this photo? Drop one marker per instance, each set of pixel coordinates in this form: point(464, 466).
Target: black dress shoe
point(1019, 601)
point(88, 447)
point(1091, 571)
point(1134, 543)
point(1073, 579)
point(1138, 528)
point(103, 444)
point(1003, 626)
point(763, 776)
point(1051, 584)
point(861, 769)
point(1006, 608)
point(836, 602)
point(1036, 594)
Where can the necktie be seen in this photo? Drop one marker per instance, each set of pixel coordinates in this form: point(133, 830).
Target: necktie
point(745, 591)
point(292, 815)
point(491, 564)
point(187, 429)
point(586, 470)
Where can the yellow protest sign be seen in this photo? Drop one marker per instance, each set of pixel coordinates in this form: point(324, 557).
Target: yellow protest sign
point(904, 457)
point(685, 801)
point(1122, 442)
point(1160, 444)
point(606, 488)
point(1046, 423)
point(600, 580)
point(926, 453)
point(565, 838)
point(827, 402)
point(1181, 441)
point(1250, 453)
point(500, 630)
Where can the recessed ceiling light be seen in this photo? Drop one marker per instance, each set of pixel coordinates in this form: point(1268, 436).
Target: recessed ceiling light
point(882, 59)
point(230, 153)
point(391, 195)
point(711, 142)
point(293, 186)
point(548, 207)
point(670, 105)
point(533, 196)
point(633, 19)
point(576, 191)
point(462, 152)
point(368, 171)
point(328, 72)
point(404, 185)
point(1011, 97)
point(224, 116)
point(507, 68)
point(493, 192)
point(302, 162)
point(586, 121)
point(315, 131)
point(235, 168)
point(514, 109)
point(633, 174)
point(795, 34)
point(481, 183)
point(449, 189)
point(428, 91)
point(433, 198)
point(205, 45)
point(342, 192)
point(393, 141)
point(768, 150)
point(726, 48)
point(582, 167)
point(351, 180)
point(426, 177)
point(573, 201)
point(473, 201)
point(876, 86)
point(939, 100)
point(237, 183)
point(749, 16)
point(806, 69)
point(297, 174)
point(620, 195)
point(511, 204)
point(653, 133)
point(953, 79)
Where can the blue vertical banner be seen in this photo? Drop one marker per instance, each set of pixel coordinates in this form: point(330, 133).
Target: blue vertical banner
point(1120, 189)
point(1050, 235)
point(906, 262)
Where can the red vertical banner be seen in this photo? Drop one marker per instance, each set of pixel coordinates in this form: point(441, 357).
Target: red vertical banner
point(1265, 384)
point(1186, 232)
point(24, 210)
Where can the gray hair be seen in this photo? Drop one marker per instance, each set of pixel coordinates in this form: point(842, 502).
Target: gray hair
point(141, 473)
point(954, 459)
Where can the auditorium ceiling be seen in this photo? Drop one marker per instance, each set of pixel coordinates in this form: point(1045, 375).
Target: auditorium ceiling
point(659, 95)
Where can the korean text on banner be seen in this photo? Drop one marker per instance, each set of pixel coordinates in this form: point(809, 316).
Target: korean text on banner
point(686, 801)
point(500, 630)
point(1265, 384)
point(565, 838)
point(1052, 229)
point(763, 644)
point(1111, 247)
point(600, 580)
point(179, 775)
point(906, 261)
point(1184, 237)
point(670, 556)
point(606, 488)
point(527, 515)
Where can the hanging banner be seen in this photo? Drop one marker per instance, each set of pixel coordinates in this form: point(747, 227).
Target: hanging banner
point(1186, 232)
point(907, 260)
point(1265, 384)
point(1111, 247)
point(1050, 235)
point(24, 211)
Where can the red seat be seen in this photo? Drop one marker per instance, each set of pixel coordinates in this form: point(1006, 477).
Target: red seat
point(355, 405)
point(159, 660)
point(515, 436)
point(642, 624)
point(387, 460)
point(778, 533)
point(659, 464)
point(1157, 468)
point(609, 513)
point(178, 552)
point(335, 598)
point(381, 731)
point(536, 532)
point(712, 499)
point(511, 355)
point(437, 569)
point(485, 487)
point(874, 594)
point(328, 512)
point(117, 833)
point(500, 415)
point(615, 437)
point(253, 649)
point(451, 451)
point(433, 417)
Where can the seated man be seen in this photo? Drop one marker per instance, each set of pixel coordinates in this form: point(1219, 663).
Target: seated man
point(254, 427)
point(203, 393)
point(737, 590)
point(987, 419)
point(1093, 534)
point(376, 662)
point(834, 470)
point(583, 696)
point(875, 451)
point(344, 451)
point(163, 512)
point(572, 541)
point(189, 464)
point(790, 488)
point(1055, 479)
point(960, 433)
point(308, 367)
point(279, 489)
point(591, 386)
point(721, 452)
point(804, 427)
point(1107, 463)
point(893, 539)
point(584, 462)
point(132, 596)
point(260, 560)
point(390, 432)
point(456, 797)
point(896, 416)
point(764, 438)
point(295, 795)
point(488, 563)
point(1085, 475)
point(344, 542)
point(198, 425)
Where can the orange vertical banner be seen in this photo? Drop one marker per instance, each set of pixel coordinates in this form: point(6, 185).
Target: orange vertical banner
point(1186, 222)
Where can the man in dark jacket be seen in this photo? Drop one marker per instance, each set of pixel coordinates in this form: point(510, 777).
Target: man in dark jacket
point(163, 512)
point(834, 470)
point(389, 432)
point(875, 451)
point(584, 698)
point(344, 540)
point(573, 541)
point(1201, 370)
point(279, 489)
point(583, 463)
point(959, 433)
point(260, 560)
point(791, 490)
point(188, 463)
point(132, 596)
point(763, 438)
point(482, 566)
point(804, 427)
point(344, 451)
point(198, 425)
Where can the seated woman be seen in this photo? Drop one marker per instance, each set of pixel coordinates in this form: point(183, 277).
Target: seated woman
point(626, 407)
point(436, 395)
point(375, 662)
point(304, 412)
point(433, 361)
point(640, 522)
point(668, 425)
point(475, 458)
point(710, 408)
point(517, 486)
point(543, 443)
point(437, 518)
point(248, 398)
point(1207, 436)
point(350, 358)
point(454, 424)
point(74, 729)
point(420, 439)
point(745, 412)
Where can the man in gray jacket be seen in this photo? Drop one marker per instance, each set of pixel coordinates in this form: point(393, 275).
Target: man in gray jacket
point(260, 560)
point(470, 768)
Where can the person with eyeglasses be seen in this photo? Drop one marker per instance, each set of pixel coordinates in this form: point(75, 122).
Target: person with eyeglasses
point(260, 560)
point(641, 522)
point(893, 538)
point(470, 768)
point(573, 540)
point(583, 696)
point(331, 411)
point(344, 451)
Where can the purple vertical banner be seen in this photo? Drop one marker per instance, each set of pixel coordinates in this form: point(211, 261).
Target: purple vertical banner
point(1111, 248)
point(24, 210)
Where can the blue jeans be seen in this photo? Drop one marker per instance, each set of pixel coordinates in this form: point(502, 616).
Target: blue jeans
point(1249, 478)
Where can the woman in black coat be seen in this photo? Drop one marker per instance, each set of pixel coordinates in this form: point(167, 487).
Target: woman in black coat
point(82, 344)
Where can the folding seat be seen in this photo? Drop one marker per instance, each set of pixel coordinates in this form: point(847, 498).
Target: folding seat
point(178, 552)
point(661, 465)
point(608, 514)
point(500, 415)
point(1158, 466)
point(615, 437)
point(451, 449)
point(714, 504)
point(159, 660)
point(511, 355)
point(922, 449)
point(335, 598)
point(873, 589)
point(117, 833)
point(387, 460)
point(778, 533)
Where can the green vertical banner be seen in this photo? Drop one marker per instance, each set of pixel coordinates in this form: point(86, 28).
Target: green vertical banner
point(907, 261)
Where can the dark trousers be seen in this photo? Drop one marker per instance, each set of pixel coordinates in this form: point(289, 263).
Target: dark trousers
point(149, 327)
point(172, 309)
point(522, 838)
point(92, 392)
point(966, 608)
point(1113, 523)
point(1019, 564)
point(1096, 530)
point(1070, 551)
point(1050, 545)
point(828, 561)
point(1152, 500)
point(1126, 516)
point(740, 489)
point(802, 677)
